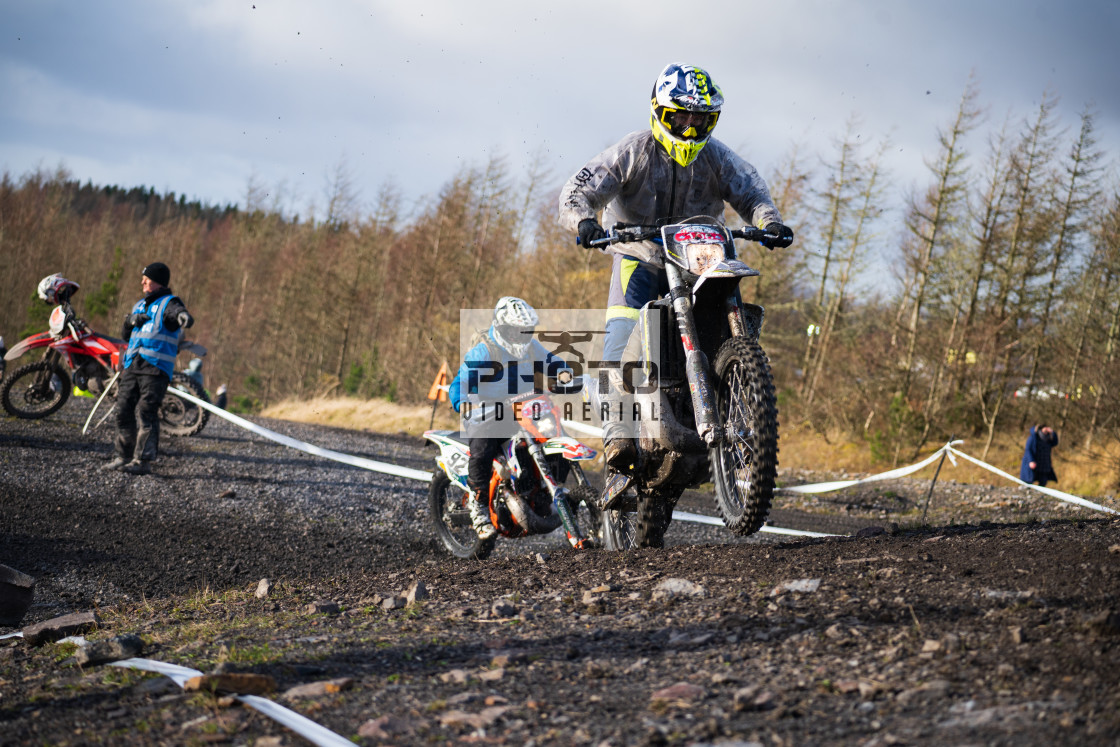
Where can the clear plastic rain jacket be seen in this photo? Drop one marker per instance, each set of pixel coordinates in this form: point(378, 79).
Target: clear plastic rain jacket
point(635, 181)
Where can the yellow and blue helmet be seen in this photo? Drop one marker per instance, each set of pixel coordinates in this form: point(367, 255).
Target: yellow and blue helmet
point(684, 109)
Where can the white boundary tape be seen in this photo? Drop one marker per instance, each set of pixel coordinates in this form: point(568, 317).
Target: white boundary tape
point(301, 725)
point(826, 487)
point(947, 450)
point(951, 452)
point(587, 430)
point(370, 464)
point(1068, 498)
point(701, 519)
point(393, 469)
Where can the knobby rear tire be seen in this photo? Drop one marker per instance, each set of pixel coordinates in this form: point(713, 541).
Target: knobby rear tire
point(36, 390)
point(745, 462)
point(177, 416)
point(654, 516)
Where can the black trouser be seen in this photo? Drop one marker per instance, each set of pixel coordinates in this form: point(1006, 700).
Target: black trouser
point(480, 466)
point(139, 392)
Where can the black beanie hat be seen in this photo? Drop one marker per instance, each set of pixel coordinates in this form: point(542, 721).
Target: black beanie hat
point(158, 272)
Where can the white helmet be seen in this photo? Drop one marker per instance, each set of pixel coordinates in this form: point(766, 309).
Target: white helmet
point(56, 289)
point(512, 328)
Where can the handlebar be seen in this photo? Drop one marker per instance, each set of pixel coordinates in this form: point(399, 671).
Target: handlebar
point(624, 233)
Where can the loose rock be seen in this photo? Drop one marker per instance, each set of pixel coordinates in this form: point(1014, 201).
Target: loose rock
point(59, 627)
point(99, 652)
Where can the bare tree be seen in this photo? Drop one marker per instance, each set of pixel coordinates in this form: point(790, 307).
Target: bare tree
point(1081, 192)
point(932, 216)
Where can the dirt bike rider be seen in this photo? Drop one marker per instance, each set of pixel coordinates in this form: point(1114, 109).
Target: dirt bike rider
point(152, 329)
point(672, 171)
point(509, 341)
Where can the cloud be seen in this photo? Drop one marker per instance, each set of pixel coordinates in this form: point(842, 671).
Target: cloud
point(412, 92)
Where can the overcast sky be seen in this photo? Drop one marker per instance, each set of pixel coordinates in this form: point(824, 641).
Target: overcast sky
point(201, 96)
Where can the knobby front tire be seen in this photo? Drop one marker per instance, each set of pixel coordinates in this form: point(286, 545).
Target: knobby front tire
point(745, 462)
point(452, 520)
point(36, 390)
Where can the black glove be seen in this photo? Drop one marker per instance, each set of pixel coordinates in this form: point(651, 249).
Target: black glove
point(138, 319)
point(590, 230)
point(185, 320)
point(785, 236)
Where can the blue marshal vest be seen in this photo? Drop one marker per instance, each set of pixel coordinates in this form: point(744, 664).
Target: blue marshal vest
point(152, 341)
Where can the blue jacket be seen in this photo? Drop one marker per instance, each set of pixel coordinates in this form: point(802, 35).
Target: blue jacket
point(480, 376)
point(153, 341)
point(1037, 450)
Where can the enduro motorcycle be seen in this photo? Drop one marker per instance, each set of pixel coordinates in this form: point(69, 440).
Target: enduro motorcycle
point(77, 356)
point(527, 495)
point(710, 384)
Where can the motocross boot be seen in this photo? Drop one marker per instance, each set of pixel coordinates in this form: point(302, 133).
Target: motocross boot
point(480, 515)
point(138, 467)
point(619, 449)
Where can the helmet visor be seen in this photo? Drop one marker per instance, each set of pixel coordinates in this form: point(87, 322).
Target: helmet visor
point(688, 125)
point(514, 334)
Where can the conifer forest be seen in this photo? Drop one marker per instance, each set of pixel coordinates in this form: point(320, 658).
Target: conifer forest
point(980, 302)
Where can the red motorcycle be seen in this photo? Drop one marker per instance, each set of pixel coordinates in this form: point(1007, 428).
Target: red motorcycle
point(77, 356)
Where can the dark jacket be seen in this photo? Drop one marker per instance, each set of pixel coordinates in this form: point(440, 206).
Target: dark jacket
point(1038, 451)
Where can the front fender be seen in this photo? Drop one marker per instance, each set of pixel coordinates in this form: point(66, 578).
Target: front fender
point(40, 340)
point(453, 456)
point(569, 448)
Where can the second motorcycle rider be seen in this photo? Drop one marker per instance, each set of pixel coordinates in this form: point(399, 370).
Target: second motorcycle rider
point(508, 353)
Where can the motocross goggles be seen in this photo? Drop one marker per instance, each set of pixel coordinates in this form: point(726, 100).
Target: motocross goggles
point(687, 125)
point(515, 334)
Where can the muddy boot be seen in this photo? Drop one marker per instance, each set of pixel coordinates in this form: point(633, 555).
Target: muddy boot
point(117, 463)
point(480, 516)
point(138, 467)
point(620, 454)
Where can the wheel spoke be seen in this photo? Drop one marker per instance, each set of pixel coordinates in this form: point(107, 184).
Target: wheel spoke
point(740, 429)
point(744, 463)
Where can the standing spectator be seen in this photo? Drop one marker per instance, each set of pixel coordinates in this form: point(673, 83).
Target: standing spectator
point(152, 329)
point(1036, 466)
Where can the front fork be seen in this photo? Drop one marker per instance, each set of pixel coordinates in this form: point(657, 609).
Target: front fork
point(558, 492)
point(696, 363)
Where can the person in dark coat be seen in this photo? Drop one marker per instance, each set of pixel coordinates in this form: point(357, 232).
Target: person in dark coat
point(152, 329)
point(1036, 466)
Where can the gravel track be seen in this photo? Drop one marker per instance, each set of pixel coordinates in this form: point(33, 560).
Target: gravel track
point(996, 624)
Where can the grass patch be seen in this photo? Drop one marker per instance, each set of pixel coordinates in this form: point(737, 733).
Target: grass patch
point(376, 415)
point(1081, 472)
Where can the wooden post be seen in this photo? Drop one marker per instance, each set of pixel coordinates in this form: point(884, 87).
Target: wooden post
point(935, 474)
